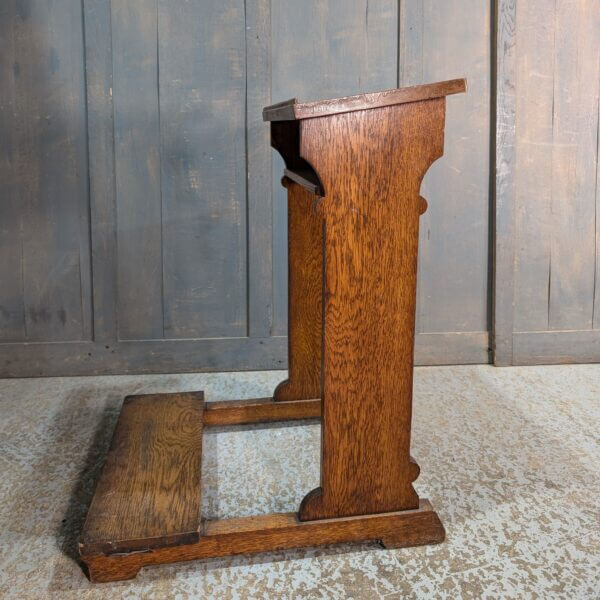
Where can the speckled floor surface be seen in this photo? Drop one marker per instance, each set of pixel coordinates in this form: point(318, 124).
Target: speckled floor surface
point(510, 459)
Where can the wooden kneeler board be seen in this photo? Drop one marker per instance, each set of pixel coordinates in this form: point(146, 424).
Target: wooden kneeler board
point(354, 168)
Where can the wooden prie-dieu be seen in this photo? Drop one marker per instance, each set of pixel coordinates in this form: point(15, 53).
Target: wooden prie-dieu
point(353, 171)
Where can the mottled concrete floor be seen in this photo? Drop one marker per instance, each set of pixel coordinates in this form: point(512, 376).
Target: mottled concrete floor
point(509, 457)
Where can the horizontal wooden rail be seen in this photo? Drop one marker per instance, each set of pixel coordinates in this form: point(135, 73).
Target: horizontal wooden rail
point(257, 410)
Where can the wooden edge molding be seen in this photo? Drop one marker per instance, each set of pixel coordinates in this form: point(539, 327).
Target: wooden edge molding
point(292, 109)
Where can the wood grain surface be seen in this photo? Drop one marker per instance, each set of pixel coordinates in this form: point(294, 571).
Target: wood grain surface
point(293, 110)
point(148, 494)
point(305, 285)
point(277, 532)
point(260, 410)
point(371, 164)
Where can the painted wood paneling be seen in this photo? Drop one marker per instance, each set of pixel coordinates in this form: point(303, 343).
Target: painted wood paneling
point(103, 215)
point(556, 180)
point(137, 168)
point(202, 80)
point(259, 165)
point(533, 171)
point(441, 43)
point(503, 181)
point(12, 309)
point(142, 223)
point(45, 265)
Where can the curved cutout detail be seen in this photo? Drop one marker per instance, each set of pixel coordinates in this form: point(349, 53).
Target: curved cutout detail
point(285, 138)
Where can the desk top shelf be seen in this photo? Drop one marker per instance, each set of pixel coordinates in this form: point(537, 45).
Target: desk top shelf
point(291, 110)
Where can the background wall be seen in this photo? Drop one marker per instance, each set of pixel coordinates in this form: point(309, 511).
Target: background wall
point(549, 234)
point(142, 223)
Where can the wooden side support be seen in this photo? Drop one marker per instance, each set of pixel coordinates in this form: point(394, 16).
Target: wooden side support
point(305, 292)
point(375, 161)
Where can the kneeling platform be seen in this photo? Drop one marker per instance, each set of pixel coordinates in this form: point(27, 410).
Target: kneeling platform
point(146, 508)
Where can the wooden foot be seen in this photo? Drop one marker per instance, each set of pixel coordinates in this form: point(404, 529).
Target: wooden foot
point(102, 571)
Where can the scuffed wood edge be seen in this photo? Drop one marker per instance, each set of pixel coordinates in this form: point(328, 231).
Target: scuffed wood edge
point(503, 184)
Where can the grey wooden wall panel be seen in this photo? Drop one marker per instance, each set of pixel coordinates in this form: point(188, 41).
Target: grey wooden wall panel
point(259, 163)
point(202, 88)
point(324, 49)
point(556, 178)
point(533, 171)
point(100, 117)
point(137, 170)
point(596, 317)
point(557, 121)
point(186, 241)
point(12, 316)
point(556, 347)
point(142, 356)
point(575, 129)
point(503, 180)
point(440, 42)
point(48, 187)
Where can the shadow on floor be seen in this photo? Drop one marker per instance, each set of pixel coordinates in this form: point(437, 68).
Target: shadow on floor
point(85, 482)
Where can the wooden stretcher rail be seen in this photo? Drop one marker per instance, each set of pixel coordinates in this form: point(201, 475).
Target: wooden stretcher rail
point(259, 410)
point(276, 532)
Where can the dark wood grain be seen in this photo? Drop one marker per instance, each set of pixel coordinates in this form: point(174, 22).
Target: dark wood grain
point(371, 164)
point(305, 257)
point(277, 532)
point(293, 110)
point(148, 494)
point(260, 410)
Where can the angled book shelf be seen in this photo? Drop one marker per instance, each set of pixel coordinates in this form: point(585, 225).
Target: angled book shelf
point(353, 172)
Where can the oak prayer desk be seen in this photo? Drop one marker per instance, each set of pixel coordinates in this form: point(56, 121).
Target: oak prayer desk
point(353, 171)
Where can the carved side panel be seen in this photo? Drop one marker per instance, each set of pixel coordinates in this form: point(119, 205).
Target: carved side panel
point(371, 164)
